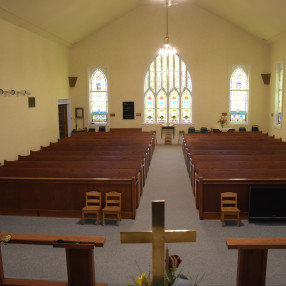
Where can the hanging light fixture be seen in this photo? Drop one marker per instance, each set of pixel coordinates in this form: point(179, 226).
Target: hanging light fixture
point(167, 48)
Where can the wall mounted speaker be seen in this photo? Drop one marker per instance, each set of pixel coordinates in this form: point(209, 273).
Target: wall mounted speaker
point(266, 78)
point(72, 81)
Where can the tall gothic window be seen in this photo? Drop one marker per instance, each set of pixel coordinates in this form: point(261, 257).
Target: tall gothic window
point(98, 97)
point(168, 91)
point(279, 94)
point(239, 87)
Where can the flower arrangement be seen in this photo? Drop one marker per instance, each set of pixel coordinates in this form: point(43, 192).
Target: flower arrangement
point(143, 279)
point(174, 274)
point(223, 119)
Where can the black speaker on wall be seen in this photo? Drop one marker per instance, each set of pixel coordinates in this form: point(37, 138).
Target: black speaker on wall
point(266, 78)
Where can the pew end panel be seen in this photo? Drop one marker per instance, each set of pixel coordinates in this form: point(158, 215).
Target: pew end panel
point(209, 191)
point(60, 197)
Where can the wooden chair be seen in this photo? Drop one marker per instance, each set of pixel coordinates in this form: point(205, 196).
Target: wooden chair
point(112, 209)
point(92, 207)
point(229, 210)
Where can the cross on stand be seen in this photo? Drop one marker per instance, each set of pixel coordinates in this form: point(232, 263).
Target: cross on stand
point(158, 237)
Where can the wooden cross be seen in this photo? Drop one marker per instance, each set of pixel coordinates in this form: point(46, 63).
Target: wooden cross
point(158, 237)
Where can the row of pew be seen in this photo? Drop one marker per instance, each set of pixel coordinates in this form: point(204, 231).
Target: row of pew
point(53, 181)
point(234, 161)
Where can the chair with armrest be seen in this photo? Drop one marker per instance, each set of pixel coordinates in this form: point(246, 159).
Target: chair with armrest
point(101, 129)
point(191, 130)
point(91, 130)
point(254, 128)
point(242, 129)
point(92, 207)
point(205, 130)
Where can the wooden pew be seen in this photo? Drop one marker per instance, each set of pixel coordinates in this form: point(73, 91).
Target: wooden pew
point(61, 197)
point(76, 165)
point(253, 162)
point(73, 172)
point(79, 258)
point(108, 164)
point(211, 183)
point(232, 163)
point(252, 258)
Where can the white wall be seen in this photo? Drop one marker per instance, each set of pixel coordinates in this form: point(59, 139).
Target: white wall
point(29, 62)
point(207, 44)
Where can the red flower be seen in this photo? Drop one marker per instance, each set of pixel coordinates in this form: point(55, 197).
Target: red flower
point(174, 261)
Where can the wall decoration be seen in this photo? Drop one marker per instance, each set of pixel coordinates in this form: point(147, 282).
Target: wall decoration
point(79, 112)
point(31, 102)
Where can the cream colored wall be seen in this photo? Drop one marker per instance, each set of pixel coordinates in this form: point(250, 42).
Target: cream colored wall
point(278, 54)
point(208, 45)
point(29, 62)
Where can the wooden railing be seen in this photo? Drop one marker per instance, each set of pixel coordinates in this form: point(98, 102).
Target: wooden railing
point(252, 258)
point(79, 257)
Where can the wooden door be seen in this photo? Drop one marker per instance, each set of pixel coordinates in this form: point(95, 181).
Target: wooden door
point(63, 125)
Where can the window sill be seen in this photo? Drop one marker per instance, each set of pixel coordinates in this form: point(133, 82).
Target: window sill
point(98, 124)
point(176, 124)
point(276, 126)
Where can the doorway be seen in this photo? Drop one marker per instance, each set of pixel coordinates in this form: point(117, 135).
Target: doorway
point(64, 119)
point(63, 126)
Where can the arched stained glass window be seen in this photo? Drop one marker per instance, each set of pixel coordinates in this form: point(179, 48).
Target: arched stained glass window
point(168, 91)
point(98, 97)
point(279, 94)
point(238, 96)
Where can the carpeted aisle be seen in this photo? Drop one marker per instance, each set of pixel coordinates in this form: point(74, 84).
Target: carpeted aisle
point(115, 263)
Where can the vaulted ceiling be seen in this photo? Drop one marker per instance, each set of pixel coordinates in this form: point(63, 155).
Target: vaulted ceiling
point(70, 21)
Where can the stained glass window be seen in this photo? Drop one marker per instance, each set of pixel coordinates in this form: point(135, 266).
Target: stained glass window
point(168, 91)
point(98, 97)
point(238, 96)
point(279, 94)
point(150, 107)
point(161, 107)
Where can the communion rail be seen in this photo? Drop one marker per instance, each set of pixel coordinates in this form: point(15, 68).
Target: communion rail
point(79, 258)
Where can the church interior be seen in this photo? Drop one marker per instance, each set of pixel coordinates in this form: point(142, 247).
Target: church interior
point(50, 48)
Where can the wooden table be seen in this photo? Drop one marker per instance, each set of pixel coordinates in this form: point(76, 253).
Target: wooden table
point(79, 257)
point(252, 258)
point(168, 128)
point(220, 130)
